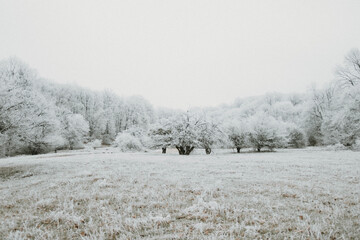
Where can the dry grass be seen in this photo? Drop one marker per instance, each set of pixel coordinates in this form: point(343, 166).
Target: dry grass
point(299, 194)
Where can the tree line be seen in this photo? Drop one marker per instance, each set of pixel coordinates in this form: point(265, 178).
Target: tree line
point(38, 116)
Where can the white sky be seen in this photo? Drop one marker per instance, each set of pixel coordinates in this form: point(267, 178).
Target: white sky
point(179, 53)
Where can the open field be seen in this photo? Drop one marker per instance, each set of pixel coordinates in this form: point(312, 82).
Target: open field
point(104, 194)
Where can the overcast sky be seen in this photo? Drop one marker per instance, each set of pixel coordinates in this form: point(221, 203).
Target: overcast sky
point(182, 53)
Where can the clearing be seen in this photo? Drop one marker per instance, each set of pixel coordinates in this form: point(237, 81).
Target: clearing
point(105, 194)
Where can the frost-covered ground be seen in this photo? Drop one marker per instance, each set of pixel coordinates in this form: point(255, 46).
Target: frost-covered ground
point(104, 194)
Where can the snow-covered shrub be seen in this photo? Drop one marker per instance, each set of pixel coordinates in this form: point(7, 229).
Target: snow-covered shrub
point(296, 138)
point(127, 142)
point(356, 146)
point(95, 144)
point(78, 145)
point(141, 134)
point(107, 139)
point(265, 131)
point(336, 147)
point(312, 140)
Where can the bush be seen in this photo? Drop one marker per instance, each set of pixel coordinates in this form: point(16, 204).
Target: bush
point(265, 131)
point(336, 147)
point(140, 134)
point(296, 138)
point(127, 142)
point(107, 139)
point(95, 144)
point(356, 146)
point(312, 140)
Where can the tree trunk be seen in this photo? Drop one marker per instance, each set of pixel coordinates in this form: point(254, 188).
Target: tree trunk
point(163, 150)
point(185, 151)
point(258, 149)
point(208, 150)
point(181, 150)
point(189, 150)
point(238, 149)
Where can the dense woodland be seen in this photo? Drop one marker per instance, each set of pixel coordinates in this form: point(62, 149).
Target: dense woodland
point(38, 116)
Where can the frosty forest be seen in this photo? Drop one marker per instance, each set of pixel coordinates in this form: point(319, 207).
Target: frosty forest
point(39, 116)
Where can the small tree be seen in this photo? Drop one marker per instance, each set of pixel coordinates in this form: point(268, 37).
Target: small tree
point(185, 131)
point(109, 134)
point(237, 132)
point(296, 138)
point(312, 140)
point(209, 135)
point(265, 131)
point(161, 136)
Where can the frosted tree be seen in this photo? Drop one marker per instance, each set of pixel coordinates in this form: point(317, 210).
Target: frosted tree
point(136, 112)
point(342, 122)
point(110, 103)
point(348, 74)
point(209, 134)
point(15, 93)
point(28, 123)
point(272, 98)
point(27, 120)
point(75, 131)
point(93, 112)
point(296, 138)
point(161, 135)
point(296, 99)
point(265, 131)
point(185, 132)
point(319, 103)
point(42, 128)
point(333, 111)
point(237, 132)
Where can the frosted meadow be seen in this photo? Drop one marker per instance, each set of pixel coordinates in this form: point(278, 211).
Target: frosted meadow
point(107, 194)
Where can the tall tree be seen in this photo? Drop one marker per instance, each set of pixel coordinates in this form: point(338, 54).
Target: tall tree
point(349, 73)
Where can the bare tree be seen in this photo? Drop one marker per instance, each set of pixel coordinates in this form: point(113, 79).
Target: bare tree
point(349, 73)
